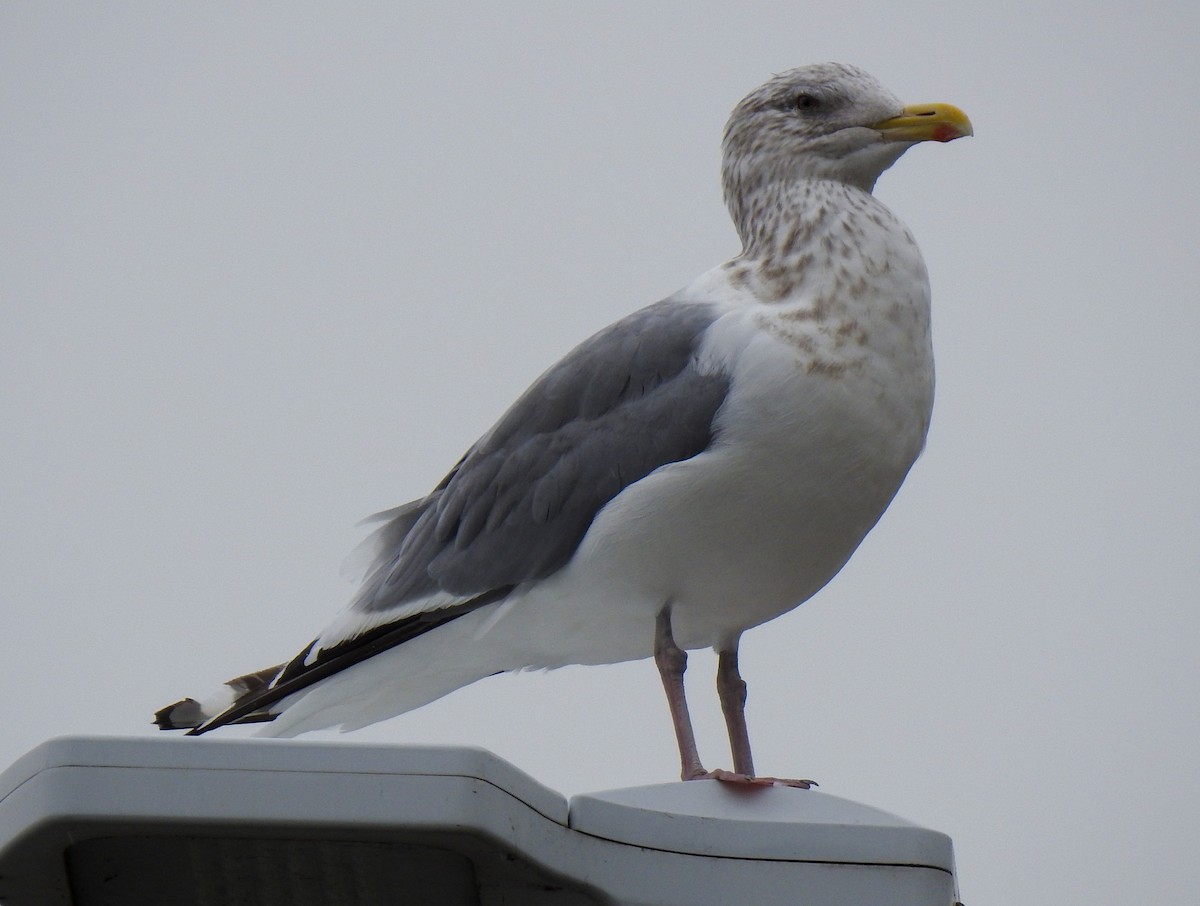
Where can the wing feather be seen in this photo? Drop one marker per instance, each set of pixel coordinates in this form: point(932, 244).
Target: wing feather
point(620, 405)
point(514, 509)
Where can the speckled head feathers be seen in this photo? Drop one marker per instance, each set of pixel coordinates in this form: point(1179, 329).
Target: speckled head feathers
point(809, 123)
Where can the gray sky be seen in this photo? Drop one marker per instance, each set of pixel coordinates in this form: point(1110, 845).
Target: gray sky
point(268, 270)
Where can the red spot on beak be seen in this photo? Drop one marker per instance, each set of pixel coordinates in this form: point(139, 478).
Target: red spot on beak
point(945, 133)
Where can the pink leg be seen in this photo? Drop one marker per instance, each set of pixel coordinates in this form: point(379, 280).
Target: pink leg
point(672, 662)
point(731, 689)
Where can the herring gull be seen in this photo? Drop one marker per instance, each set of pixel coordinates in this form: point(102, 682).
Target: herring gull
point(696, 469)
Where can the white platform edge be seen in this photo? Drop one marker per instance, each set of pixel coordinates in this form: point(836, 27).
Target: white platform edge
point(621, 842)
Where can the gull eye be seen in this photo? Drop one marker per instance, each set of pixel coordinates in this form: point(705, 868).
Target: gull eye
point(805, 101)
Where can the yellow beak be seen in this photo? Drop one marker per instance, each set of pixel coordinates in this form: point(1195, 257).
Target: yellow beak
point(926, 122)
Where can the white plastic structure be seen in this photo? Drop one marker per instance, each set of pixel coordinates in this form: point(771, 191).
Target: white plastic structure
point(87, 821)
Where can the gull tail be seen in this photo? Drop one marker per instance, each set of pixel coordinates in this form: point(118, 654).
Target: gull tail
point(319, 675)
point(190, 713)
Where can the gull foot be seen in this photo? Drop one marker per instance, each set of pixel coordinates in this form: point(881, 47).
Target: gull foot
point(748, 780)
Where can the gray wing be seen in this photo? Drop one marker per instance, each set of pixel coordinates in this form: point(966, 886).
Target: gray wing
point(621, 404)
point(516, 506)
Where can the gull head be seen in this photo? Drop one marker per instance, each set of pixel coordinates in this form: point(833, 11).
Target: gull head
point(829, 121)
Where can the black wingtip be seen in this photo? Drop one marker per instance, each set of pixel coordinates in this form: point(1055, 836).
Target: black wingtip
point(180, 716)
